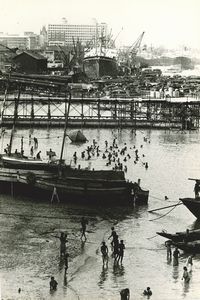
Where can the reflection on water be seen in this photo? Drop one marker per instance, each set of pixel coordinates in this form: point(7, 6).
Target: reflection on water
point(118, 269)
point(175, 273)
point(103, 276)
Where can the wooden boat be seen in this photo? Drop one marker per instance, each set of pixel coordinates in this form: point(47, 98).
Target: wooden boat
point(193, 204)
point(27, 163)
point(190, 235)
point(105, 187)
point(190, 247)
point(108, 187)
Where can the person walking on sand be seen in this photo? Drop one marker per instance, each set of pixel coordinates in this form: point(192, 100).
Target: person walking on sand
point(84, 222)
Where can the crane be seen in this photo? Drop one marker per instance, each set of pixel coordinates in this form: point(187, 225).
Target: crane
point(63, 55)
point(133, 50)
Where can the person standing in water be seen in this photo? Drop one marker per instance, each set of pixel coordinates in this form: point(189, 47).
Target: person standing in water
point(176, 255)
point(104, 251)
point(84, 222)
point(121, 248)
point(125, 294)
point(53, 284)
point(113, 235)
point(186, 276)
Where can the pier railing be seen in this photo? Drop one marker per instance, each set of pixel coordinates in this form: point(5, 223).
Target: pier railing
point(37, 110)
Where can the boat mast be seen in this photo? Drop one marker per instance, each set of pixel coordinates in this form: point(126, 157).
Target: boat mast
point(14, 121)
point(65, 129)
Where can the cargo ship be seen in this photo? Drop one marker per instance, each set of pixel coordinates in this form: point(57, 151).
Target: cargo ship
point(98, 66)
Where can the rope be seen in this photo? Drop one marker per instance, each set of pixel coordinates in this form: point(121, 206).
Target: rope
point(165, 214)
point(156, 197)
point(152, 237)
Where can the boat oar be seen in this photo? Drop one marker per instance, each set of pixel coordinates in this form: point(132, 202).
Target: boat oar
point(156, 209)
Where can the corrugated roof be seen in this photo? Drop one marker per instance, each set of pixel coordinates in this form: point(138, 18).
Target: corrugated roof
point(33, 54)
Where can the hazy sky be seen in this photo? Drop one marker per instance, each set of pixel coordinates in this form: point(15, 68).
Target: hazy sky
point(165, 22)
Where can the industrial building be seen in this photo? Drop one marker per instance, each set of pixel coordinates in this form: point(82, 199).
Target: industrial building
point(65, 34)
point(30, 62)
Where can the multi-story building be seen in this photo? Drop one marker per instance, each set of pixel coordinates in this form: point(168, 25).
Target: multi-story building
point(64, 34)
point(27, 41)
point(14, 41)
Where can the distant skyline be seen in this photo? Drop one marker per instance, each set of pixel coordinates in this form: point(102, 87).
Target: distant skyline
point(170, 23)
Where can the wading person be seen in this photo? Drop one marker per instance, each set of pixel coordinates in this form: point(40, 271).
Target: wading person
point(53, 284)
point(121, 248)
point(197, 188)
point(38, 155)
point(147, 292)
point(168, 245)
point(116, 247)
point(186, 276)
point(189, 262)
point(125, 294)
point(176, 255)
point(104, 251)
point(84, 222)
point(113, 235)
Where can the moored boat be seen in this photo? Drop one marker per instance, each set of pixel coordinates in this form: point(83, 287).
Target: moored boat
point(188, 235)
point(193, 204)
point(190, 247)
point(105, 186)
point(27, 163)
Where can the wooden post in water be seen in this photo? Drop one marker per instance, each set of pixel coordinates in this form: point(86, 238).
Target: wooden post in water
point(14, 120)
point(65, 129)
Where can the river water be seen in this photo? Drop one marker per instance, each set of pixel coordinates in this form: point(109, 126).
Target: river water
point(29, 249)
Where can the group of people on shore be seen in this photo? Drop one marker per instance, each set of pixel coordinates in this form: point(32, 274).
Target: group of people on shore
point(117, 248)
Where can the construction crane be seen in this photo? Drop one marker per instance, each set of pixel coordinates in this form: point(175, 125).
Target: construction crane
point(133, 50)
point(63, 55)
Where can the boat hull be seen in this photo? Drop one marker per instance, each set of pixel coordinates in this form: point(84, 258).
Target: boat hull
point(181, 236)
point(78, 185)
point(193, 204)
point(98, 66)
point(191, 247)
